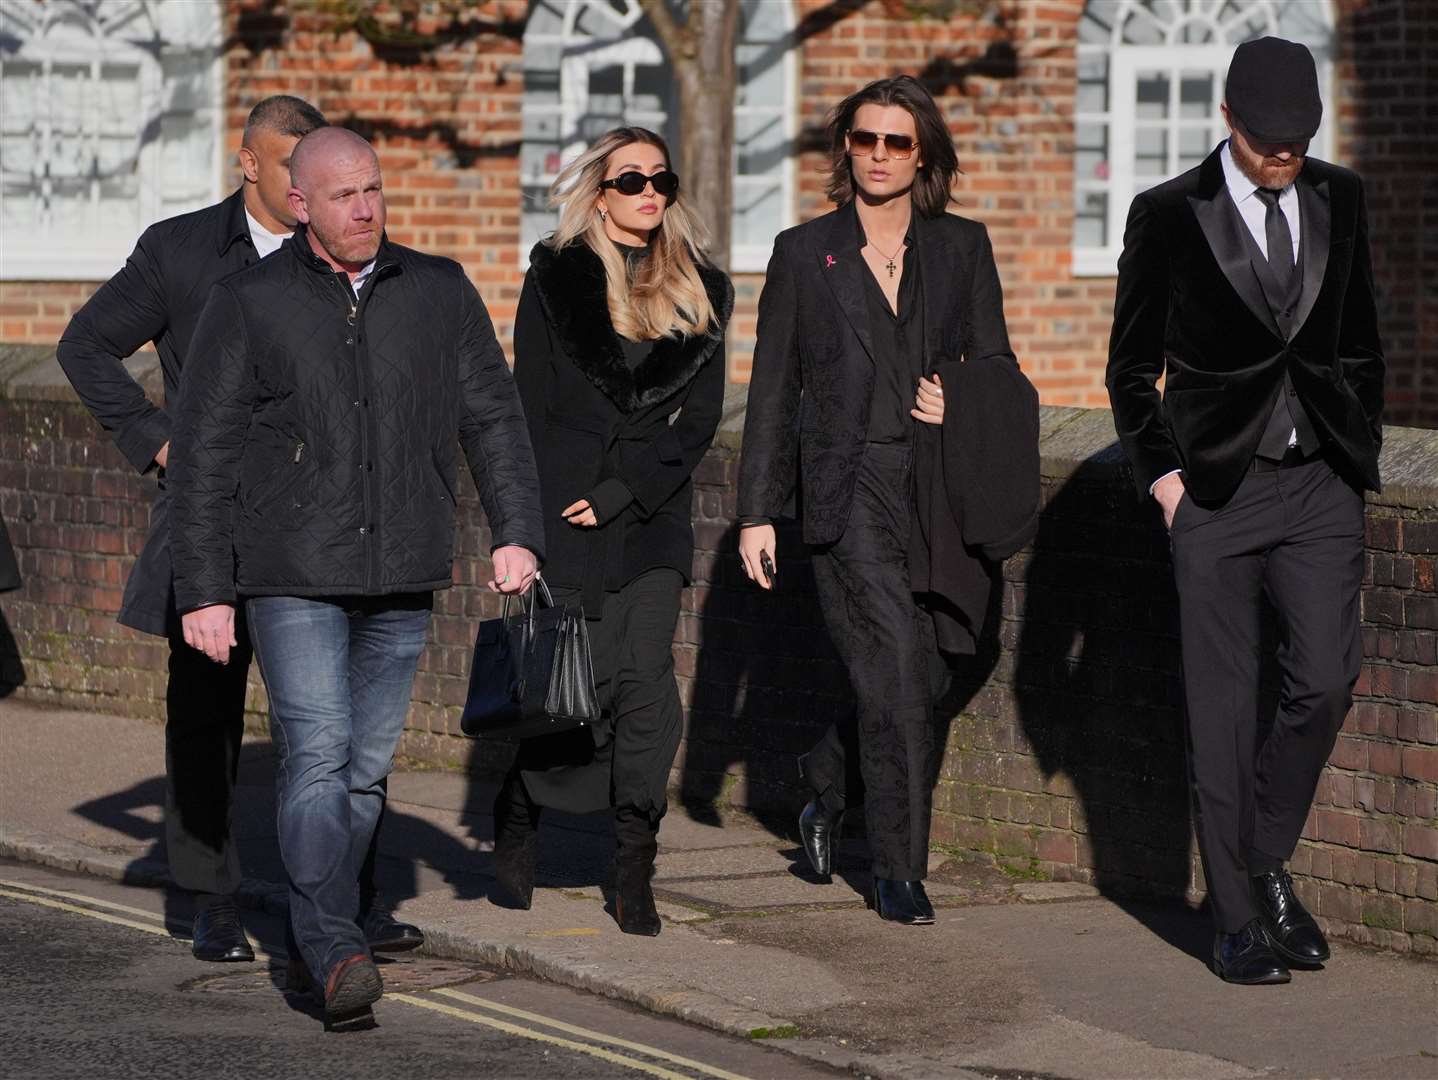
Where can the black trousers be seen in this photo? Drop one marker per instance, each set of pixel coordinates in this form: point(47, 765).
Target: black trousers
point(1295, 535)
point(887, 645)
point(631, 647)
point(204, 723)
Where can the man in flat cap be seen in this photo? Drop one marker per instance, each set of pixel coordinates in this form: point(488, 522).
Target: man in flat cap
point(1246, 283)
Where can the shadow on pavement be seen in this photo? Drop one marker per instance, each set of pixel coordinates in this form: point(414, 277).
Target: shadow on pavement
point(575, 852)
point(1099, 693)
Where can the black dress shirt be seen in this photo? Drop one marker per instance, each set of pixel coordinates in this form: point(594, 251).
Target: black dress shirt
point(898, 348)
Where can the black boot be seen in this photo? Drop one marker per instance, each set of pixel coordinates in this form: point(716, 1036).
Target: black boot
point(516, 843)
point(817, 826)
point(634, 909)
point(901, 902)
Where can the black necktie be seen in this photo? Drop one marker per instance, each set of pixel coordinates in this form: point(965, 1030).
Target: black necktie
point(1280, 239)
point(1289, 416)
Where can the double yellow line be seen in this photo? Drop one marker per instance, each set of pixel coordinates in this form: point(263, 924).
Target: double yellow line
point(569, 1044)
point(478, 1011)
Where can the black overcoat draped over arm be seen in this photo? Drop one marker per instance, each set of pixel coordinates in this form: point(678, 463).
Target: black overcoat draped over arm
point(625, 438)
point(976, 477)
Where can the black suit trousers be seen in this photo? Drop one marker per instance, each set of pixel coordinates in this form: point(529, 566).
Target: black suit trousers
point(1296, 536)
point(204, 723)
point(887, 645)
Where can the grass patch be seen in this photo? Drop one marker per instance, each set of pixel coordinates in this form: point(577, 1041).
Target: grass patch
point(1029, 871)
point(783, 1031)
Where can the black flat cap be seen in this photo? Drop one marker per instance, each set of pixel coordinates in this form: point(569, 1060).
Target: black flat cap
point(1273, 89)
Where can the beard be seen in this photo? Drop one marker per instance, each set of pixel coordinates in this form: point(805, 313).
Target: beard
point(348, 247)
point(1268, 172)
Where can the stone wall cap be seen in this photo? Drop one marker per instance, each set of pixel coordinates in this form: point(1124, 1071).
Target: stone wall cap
point(32, 373)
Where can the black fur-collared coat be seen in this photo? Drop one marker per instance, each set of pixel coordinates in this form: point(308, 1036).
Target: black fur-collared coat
point(602, 430)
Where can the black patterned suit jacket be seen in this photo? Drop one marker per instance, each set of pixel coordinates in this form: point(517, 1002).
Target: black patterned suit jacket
point(813, 372)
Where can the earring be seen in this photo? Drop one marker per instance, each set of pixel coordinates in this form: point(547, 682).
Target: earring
point(602, 215)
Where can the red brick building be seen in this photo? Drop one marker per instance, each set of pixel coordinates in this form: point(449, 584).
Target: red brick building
point(115, 113)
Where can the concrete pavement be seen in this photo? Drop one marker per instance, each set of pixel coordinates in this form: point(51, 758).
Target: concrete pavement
point(1017, 978)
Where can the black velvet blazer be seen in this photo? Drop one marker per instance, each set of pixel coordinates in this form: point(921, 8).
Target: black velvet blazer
point(603, 432)
point(813, 375)
point(1190, 306)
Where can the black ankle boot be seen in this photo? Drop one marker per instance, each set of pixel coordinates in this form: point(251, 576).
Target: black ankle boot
point(901, 901)
point(818, 825)
point(634, 908)
point(516, 843)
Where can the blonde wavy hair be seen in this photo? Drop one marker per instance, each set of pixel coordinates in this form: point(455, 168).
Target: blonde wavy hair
point(663, 296)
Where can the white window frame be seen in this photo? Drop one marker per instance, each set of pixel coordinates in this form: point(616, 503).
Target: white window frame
point(1125, 60)
point(753, 258)
point(579, 53)
point(93, 253)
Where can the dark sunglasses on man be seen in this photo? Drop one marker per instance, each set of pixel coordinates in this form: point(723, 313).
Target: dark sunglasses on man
point(863, 142)
point(665, 183)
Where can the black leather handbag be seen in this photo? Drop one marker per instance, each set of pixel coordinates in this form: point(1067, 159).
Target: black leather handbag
point(531, 673)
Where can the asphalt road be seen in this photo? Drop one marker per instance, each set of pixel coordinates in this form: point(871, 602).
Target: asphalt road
point(97, 988)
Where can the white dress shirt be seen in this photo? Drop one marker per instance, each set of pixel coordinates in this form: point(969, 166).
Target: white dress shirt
point(1254, 210)
point(266, 242)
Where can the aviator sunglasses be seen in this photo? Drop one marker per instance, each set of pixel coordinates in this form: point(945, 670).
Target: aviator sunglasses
point(665, 183)
point(863, 142)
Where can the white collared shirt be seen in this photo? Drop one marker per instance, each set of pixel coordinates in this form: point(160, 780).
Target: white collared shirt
point(266, 242)
point(357, 282)
point(1252, 209)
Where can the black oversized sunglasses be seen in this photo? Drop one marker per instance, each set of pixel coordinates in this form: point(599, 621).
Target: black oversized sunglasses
point(665, 183)
point(863, 142)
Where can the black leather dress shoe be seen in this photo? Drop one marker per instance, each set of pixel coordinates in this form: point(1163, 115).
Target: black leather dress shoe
point(817, 826)
point(385, 933)
point(1292, 932)
point(901, 902)
point(1247, 957)
point(220, 936)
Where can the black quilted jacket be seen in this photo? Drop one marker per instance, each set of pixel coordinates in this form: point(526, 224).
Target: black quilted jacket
point(316, 437)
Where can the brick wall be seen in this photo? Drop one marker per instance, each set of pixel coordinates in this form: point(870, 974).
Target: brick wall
point(1387, 111)
point(447, 125)
point(1064, 750)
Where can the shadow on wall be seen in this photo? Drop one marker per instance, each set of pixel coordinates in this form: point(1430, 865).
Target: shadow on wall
point(12, 668)
point(766, 685)
point(1099, 694)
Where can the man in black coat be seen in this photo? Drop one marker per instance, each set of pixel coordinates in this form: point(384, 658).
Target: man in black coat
point(156, 297)
point(325, 397)
point(860, 310)
point(1246, 282)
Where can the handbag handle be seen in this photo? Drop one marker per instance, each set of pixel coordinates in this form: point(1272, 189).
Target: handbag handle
point(530, 606)
point(538, 590)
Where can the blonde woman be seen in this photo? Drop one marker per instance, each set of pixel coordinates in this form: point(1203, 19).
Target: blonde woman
point(620, 326)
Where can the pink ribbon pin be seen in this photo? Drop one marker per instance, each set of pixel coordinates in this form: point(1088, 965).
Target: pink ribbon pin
point(828, 260)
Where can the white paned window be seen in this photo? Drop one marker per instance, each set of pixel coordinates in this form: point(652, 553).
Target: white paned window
point(592, 65)
point(109, 121)
point(1150, 81)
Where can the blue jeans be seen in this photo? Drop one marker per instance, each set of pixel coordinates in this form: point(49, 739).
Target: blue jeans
point(338, 672)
